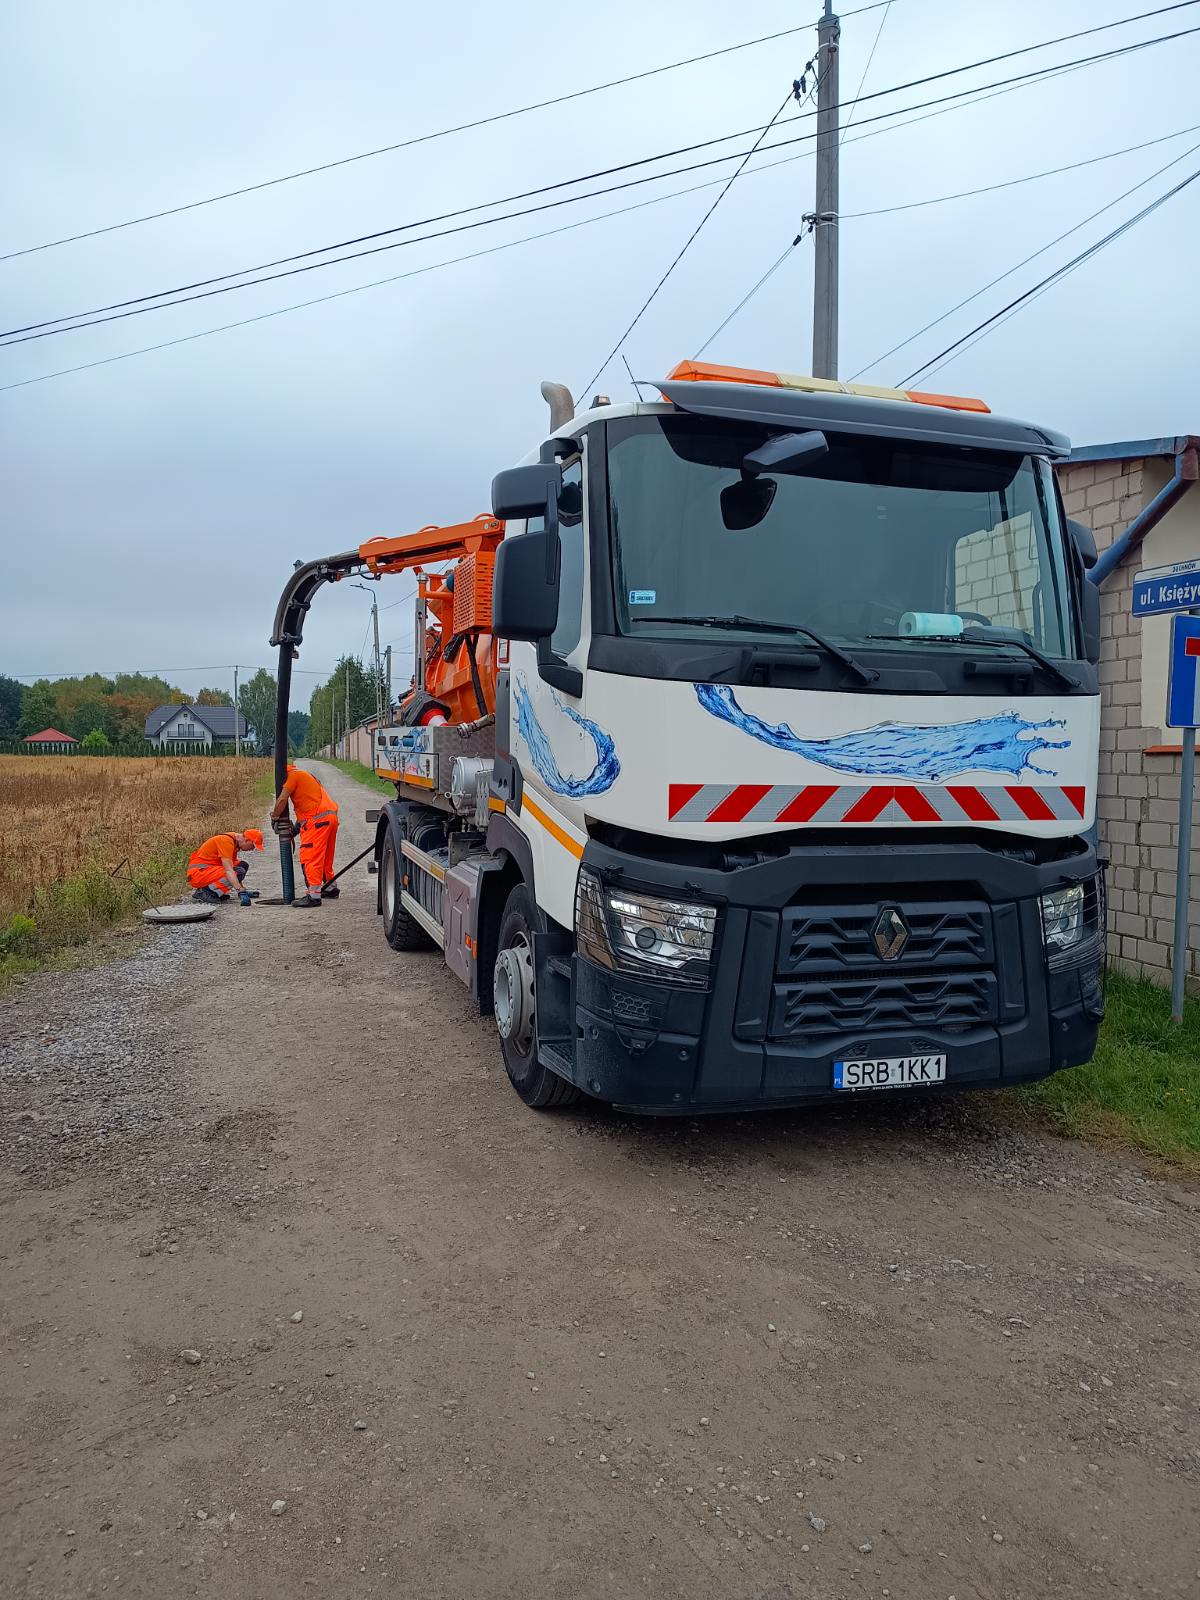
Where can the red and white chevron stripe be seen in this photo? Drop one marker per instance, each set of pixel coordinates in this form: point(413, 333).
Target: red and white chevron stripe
point(820, 803)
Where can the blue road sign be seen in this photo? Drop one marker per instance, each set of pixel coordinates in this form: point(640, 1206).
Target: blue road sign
point(1183, 682)
point(1174, 588)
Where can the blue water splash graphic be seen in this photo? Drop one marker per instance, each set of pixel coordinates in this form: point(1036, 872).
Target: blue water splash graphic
point(602, 776)
point(1003, 743)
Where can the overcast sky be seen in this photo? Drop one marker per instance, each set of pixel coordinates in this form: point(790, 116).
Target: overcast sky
point(153, 507)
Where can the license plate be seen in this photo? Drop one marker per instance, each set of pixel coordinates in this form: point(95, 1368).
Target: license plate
point(889, 1072)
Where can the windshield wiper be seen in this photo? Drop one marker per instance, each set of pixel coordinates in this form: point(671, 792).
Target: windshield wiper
point(761, 625)
point(971, 638)
point(1047, 663)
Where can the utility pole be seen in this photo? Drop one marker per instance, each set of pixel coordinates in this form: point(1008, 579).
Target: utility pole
point(378, 660)
point(825, 214)
point(237, 717)
point(387, 682)
point(346, 726)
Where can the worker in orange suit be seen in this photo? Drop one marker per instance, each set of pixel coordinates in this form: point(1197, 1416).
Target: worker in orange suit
point(216, 871)
point(317, 825)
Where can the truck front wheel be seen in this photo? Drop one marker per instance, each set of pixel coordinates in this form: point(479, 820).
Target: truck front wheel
point(515, 1002)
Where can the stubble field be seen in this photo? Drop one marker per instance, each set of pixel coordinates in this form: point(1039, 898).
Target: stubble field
point(68, 822)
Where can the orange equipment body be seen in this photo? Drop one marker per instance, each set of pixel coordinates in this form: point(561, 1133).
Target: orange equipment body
point(458, 607)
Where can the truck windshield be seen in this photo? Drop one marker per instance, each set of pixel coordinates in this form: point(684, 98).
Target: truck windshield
point(879, 538)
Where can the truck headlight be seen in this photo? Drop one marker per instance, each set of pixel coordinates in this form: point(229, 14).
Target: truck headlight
point(625, 930)
point(1073, 922)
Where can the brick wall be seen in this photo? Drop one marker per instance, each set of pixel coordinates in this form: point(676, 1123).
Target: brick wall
point(1138, 798)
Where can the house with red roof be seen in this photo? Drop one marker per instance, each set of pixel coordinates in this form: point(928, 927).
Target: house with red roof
point(52, 739)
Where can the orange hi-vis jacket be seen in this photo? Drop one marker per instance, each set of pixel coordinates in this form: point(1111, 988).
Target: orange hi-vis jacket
point(308, 795)
point(221, 847)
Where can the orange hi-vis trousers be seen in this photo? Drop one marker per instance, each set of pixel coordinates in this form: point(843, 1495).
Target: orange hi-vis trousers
point(318, 837)
point(204, 875)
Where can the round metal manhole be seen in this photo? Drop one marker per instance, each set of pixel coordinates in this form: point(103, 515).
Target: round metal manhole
point(180, 913)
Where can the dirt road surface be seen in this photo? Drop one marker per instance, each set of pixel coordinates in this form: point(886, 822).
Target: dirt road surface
point(891, 1349)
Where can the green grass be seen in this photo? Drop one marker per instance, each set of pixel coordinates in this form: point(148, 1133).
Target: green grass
point(1142, 1087)
point(68, 914)
point(355, 769)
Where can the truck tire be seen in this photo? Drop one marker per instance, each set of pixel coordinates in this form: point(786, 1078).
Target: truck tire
point(515, 1008)
point(400, 930)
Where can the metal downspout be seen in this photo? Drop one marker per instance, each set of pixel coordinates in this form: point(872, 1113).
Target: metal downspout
point(1187, 470)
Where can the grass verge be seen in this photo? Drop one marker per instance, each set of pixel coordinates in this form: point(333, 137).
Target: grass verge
point(1141, 1088)
point(355, 769)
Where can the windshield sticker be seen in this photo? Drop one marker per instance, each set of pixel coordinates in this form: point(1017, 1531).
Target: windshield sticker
point(602, 776)
point(1003, 743)
point(642, 597)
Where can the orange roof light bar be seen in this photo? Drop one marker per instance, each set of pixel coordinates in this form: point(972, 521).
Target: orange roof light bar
point(712, 372)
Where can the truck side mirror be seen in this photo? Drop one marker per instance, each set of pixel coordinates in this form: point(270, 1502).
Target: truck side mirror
point(524, 601)
point(1089, 620)
point(1085, 543)
point(525, 588)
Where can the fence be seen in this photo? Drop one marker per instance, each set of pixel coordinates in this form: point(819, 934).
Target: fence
point(116, 747)
point(357, 745)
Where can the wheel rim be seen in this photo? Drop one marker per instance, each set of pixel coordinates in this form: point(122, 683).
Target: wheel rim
point(389, 883)
point(513, 994)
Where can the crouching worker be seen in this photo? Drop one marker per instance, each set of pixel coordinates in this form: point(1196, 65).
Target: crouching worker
point(216, 871)
point(317, 825)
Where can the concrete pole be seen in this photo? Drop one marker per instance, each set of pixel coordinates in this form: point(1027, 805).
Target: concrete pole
point(378, 666)
point(825, 225)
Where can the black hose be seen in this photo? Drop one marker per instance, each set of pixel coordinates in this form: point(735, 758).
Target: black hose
point(287, 634)
point(475, 683)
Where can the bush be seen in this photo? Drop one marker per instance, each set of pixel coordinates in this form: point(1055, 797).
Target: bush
point(95, 743)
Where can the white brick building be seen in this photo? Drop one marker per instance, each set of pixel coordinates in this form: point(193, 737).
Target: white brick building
point(1140, 500)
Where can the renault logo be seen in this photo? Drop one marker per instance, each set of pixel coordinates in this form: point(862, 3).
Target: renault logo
point(889, 933)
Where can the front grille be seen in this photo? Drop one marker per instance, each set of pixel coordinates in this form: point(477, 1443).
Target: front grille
point(883, 1004)
point(838, 938)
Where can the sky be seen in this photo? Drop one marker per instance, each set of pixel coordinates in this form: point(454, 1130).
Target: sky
point(152, 507)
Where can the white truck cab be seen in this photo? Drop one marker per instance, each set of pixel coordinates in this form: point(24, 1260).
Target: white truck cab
point(796, 743)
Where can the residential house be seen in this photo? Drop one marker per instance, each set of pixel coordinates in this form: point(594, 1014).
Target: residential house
point(192, 726)
point(1139, 499)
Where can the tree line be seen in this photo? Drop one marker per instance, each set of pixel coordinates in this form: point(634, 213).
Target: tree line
point(110, 713)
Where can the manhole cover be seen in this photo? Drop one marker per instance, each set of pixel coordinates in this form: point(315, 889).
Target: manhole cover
point(180, 913)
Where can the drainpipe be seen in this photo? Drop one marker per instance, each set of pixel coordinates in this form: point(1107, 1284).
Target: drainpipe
point(1187, 470)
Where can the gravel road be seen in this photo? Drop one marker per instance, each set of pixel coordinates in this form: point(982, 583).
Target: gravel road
point(440, 1346)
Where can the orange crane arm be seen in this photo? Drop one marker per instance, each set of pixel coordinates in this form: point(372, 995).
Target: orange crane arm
point(432, 543)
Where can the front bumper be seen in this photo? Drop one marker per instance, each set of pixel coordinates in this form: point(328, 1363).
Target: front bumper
point(795, 984)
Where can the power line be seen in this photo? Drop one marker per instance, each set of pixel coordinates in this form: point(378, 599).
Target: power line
point(1008, 273)
point(937, 200)
point(688, 242)
point(155, 672)
point(442, 133)
point(858, 92)
point(1011, 183)
point(746, 298)
point(990, 323)
point(98, 314)
point(435, 266)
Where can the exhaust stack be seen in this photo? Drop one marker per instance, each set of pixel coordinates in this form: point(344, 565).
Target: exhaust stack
point(562, 408)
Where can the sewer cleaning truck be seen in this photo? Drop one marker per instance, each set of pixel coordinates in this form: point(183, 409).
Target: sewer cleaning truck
point(751, 753)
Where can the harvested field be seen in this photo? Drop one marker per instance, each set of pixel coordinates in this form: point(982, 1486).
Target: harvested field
point(68, 821)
